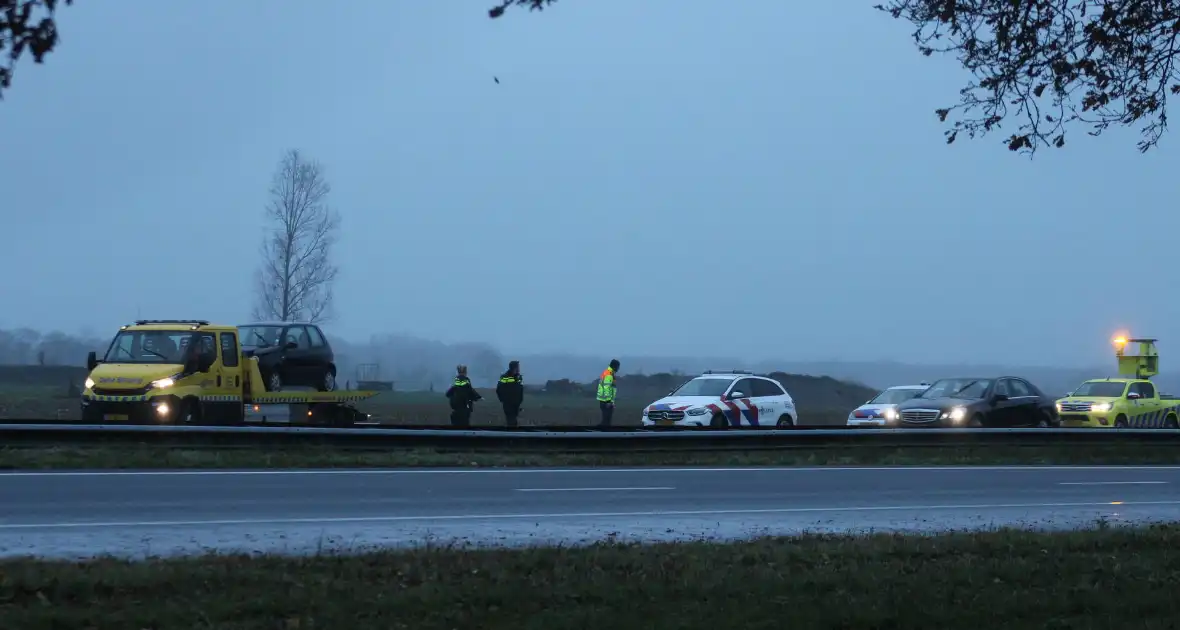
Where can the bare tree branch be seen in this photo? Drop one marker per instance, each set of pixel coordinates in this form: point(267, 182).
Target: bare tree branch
point(1053, 63)
point(533, 5)
point(20, 31)
point(295, 278)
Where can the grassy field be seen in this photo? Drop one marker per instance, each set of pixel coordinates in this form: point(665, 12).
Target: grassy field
point(398, 408)
point(130, 457)
point(1011, 579)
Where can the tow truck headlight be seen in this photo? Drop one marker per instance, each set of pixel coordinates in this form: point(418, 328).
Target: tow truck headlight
point(164, 383)
point(697, 411)
point(1100, 407)
point(957, 414)
point(88, 384)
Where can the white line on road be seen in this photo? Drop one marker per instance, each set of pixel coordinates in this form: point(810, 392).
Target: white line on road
point(593, 489)
point(1108, 483)
point(561, 515)
point(545, 471)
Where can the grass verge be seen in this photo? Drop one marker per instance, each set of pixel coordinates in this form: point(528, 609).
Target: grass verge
point(131, 457)
point(1008, 579)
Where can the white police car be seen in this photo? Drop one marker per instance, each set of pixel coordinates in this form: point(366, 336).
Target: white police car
point(724, 399)
point(882, 409)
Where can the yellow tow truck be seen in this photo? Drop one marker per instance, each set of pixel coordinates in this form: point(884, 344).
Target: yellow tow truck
point(1129, 400)
point(191, 371)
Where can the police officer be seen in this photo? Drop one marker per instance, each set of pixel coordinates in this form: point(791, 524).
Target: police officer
point(463, 397)
point(607, 392)
point(510, 391)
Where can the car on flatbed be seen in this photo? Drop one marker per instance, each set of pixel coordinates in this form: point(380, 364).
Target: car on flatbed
point(881, 410)
point(725, 399)
point(291, 353)
point(192, 371)
point(1129, 400)
point(1004, 401)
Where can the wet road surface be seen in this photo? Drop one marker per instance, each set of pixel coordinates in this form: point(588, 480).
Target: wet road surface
point(137, 513)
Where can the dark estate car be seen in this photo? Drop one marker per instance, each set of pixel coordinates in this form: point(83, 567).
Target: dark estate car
point(1005, 401)
point(290, 353)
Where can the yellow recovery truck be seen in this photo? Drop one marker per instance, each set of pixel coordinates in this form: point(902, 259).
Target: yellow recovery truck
point(191, 371)
point(1128, 400)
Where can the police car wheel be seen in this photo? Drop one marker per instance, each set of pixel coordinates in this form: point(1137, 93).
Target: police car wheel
point(785, 422)
point(1120, 422)
point(718, 422)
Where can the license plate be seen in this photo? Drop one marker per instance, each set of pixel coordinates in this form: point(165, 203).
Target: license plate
point(115, 417)
point(666, 423)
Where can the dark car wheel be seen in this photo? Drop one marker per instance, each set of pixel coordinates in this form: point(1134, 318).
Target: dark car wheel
point(1045, 421)
point(274, 381)
point(328, 381)
point(976, 421)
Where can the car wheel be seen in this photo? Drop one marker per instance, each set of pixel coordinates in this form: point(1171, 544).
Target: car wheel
point(189, 412)
point(1120, 422)
point(328, 382)
point(785, 422)
point(1170, 422)
point(1045, 421)
point(718, 422)
point(976, 421)
point(274, 381)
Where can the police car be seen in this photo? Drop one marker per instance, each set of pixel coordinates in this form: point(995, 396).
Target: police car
point(724, 399)
point(882, 409)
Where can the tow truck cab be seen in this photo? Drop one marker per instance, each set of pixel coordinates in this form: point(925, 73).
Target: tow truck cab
point(1129, 400)
point(191, 371)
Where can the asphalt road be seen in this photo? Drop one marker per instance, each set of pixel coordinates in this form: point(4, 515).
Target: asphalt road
point(136, 513)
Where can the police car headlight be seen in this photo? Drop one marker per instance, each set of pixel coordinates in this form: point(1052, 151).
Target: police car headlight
point(1097, 407)
point(699, 411)
point(163, 383)
point(88, 384)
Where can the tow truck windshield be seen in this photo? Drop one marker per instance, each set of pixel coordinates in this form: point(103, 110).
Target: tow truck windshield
point(1102, 389)
point(703, 387)
point(957, 388)
point(148, 346)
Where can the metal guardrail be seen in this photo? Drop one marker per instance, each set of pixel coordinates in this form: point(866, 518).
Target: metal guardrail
point(380, 438)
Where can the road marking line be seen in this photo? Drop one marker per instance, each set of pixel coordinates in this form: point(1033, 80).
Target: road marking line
point(536, 471)
point(560, 515)
point(593, 489)
point(1108, 483)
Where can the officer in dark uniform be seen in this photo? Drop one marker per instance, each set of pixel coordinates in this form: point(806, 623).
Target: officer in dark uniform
point(510, 391)
point(463, 397)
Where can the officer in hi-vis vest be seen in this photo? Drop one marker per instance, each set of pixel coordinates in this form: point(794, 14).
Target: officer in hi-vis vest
point(607, 392)
point(463, 397)
point(510, 391)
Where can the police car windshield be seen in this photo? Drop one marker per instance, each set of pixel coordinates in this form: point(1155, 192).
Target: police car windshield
point(1100, 388)
point(957, 388)
point(894, 396)
point(148, 346)
point(703, 387)
point(260, 336)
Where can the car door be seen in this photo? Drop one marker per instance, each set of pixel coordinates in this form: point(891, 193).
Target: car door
point(295, 360)
point(319, 356)
point(740, 405)
point(1001, 413)
point(769, 398)
point(1025, 407)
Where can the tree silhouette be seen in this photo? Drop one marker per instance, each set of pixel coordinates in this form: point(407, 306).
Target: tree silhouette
point(1053, 63)
point(21, 30)
point(533, 5)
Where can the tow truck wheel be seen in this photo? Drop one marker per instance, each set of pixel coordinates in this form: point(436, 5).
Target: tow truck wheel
point(1170, 422)
point(718, 422)
point(189, 411)
point(1120, 422)
point(785, 422)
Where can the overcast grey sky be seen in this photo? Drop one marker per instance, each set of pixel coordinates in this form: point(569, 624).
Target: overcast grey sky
point(649, 177)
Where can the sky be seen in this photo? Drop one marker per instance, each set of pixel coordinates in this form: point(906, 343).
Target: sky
point(766, 179)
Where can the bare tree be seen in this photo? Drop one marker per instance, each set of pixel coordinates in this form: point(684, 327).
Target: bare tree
point(296, 276)
point(20, 30)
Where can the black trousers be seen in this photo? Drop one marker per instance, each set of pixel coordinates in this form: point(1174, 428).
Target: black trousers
point(511, 411)
point(608, 411)
point(461, 417)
